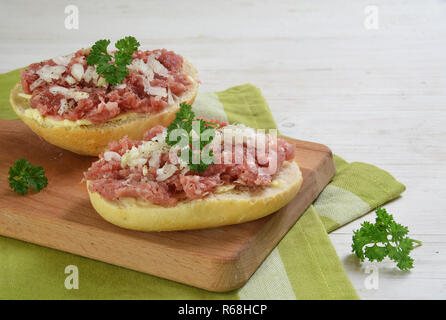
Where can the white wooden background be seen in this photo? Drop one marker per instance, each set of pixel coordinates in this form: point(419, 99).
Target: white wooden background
point(377, 96)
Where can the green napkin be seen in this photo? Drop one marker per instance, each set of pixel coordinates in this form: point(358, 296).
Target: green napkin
point(303, 266)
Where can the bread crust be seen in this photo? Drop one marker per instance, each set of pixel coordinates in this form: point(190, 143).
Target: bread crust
point(93, 139)
point(215, 210)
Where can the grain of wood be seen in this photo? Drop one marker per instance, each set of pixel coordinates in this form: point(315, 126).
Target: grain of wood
point(371, 95)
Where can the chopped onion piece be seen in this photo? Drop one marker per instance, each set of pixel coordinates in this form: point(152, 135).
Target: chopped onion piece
point(70, 80)
point(148, 149)
point(157, 66)
point(145, 69)
point(69, 93)
point(63, 107)
point(156, 91)
point(101, 82)
point(77, 70)
point(111, 155)
point(35, 84)
point(155, 159)
point(90, 74)
point(121, 86)
point(63, 60)
point(50, 73)
point(165, 172)
point(170, 99)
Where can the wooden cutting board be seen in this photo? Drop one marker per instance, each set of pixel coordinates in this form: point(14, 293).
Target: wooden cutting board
point(61, 217)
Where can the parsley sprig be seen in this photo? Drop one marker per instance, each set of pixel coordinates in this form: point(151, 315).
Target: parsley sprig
point(24, 175)
point(113, 68)
point(382, 239)
point(201, 134)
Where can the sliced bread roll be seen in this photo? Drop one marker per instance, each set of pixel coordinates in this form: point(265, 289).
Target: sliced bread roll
point(92, 139)
point(218, 209)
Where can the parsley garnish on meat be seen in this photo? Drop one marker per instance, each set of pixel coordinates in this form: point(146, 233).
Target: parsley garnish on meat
point(382, 239)
point(113, 68)
point(197, 132)
point(24, 175)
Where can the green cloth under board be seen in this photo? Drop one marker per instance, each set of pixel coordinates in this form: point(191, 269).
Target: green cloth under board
point(304, 265)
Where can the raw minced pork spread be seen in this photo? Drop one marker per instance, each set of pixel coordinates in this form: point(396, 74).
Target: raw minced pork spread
point(66, 88)
point(144, 170)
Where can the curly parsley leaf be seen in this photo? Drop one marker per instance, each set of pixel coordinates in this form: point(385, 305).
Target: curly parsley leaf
point(113, 68)
point(126, 47)
point(98, 53)
point(199, 133)
point(24, 175)
point(183, 120)
point(385, 238)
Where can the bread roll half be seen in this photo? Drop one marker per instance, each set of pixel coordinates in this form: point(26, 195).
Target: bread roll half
point(217, 209)
point(92, 139)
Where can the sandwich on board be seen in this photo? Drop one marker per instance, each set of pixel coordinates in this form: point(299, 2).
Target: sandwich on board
point(160, 168)
point(82, 101)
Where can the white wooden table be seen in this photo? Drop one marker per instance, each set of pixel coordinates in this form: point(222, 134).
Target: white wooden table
point(373, 95)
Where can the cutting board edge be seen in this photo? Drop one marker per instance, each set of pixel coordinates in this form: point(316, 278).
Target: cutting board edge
point(219, 270)
point(248, 270)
